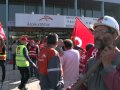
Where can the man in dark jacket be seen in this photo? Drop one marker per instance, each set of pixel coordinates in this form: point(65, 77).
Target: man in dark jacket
point(49, 66)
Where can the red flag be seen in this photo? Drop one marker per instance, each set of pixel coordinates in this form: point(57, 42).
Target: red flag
point(81, 35)
point(2, 34)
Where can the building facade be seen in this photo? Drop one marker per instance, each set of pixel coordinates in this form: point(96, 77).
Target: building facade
point(59, 13)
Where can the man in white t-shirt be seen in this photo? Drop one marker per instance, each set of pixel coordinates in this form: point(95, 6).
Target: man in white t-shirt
point(70, 63)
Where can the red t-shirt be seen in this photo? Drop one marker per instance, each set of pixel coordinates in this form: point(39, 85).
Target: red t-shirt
point(85, 57)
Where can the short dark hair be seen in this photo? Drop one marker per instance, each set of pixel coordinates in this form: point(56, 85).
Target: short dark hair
point(68, 43)
point(2, 42)
point(89, 46)
point(52, 38)
point(14, 41)
point(78, 48)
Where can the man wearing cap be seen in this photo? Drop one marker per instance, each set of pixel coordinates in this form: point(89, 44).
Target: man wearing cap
point(107, 74)
point(33, 54)
point(22, 61)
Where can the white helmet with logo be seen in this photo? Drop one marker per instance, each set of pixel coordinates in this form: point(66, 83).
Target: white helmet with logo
point(107, 21)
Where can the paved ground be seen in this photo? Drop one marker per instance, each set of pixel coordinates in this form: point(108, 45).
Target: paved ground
point(12, 80)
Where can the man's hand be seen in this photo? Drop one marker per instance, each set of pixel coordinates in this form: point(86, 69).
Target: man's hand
point(107, 55)
point(59, 86)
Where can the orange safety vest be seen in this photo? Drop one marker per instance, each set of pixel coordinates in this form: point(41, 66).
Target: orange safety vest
point(32, 52)
point(2, 56)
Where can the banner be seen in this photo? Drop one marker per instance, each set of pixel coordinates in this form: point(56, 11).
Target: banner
point(2, 34)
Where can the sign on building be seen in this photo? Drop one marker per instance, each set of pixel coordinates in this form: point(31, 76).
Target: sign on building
point(40, 20)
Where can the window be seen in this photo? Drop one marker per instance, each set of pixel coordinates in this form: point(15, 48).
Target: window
point(14, 8)
point(71, 11)
point(2, 13)
point(58, 10)
point(29, 8)
point(65, 11)
point(89, 13)
point(49, 9)
point(96, 13)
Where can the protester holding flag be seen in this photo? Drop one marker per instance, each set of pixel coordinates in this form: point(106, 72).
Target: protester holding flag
point(2, 51)
point(2, 57)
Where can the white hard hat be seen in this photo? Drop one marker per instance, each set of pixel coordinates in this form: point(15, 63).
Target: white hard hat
point(107, 21)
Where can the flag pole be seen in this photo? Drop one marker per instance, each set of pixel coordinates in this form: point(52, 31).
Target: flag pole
point(7, 35)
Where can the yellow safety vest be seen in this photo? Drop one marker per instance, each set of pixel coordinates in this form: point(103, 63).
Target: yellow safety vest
point(2, 56)
point(20, 59)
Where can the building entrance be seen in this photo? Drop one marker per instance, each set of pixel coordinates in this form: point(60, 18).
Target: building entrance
point(37, 33)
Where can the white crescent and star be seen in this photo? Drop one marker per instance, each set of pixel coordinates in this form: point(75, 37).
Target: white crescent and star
point(79, 40)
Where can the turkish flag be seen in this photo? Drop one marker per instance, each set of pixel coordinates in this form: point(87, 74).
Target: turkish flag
point(2, 34)
point(81, 35)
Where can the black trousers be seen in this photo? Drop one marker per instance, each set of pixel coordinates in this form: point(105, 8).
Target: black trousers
point(32, 69)
point(14, 56)
point(24, 71)
point(2, 64)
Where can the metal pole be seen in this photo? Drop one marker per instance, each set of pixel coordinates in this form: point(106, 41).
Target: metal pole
point(68, 8)
point(7, 33)
point(102, 8)
point(24, 6)
point(43, 7)
point(75, 7)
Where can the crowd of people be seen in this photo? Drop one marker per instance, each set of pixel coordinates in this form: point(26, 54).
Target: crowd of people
point(60, 65)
